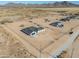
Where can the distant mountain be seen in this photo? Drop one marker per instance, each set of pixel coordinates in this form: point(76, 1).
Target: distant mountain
point(56, 4)
point(14, 4)
point(64, 4)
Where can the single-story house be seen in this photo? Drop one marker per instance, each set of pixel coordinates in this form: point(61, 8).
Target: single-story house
point(32, 31)
point(57, 24)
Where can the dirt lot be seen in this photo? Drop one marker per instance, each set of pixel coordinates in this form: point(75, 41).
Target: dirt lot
point(45, 43)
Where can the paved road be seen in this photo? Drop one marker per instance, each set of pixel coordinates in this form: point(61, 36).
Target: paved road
point(67, 44)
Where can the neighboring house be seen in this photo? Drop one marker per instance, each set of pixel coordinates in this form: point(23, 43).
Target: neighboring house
point(57, 24)
point(32, 31)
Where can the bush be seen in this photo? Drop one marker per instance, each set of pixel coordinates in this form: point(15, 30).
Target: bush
point(5, 21)
point(22, 25)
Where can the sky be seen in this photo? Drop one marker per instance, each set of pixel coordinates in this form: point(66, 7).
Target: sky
point(32, 2)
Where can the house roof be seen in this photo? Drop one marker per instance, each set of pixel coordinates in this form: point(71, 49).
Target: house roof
point(55, 23)
point(29, 30)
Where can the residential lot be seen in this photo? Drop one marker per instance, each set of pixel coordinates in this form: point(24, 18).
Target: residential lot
point(49, 43)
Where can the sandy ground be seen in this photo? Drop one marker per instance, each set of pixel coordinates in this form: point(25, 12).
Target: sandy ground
point(45, 43)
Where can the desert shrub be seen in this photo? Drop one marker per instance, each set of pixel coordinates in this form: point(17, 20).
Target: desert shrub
point(22, 25)
point(5, 21)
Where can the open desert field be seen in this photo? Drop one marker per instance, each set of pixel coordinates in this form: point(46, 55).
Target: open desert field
point(39, 32)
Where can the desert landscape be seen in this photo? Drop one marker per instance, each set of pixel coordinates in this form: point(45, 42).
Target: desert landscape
point(30, 31)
